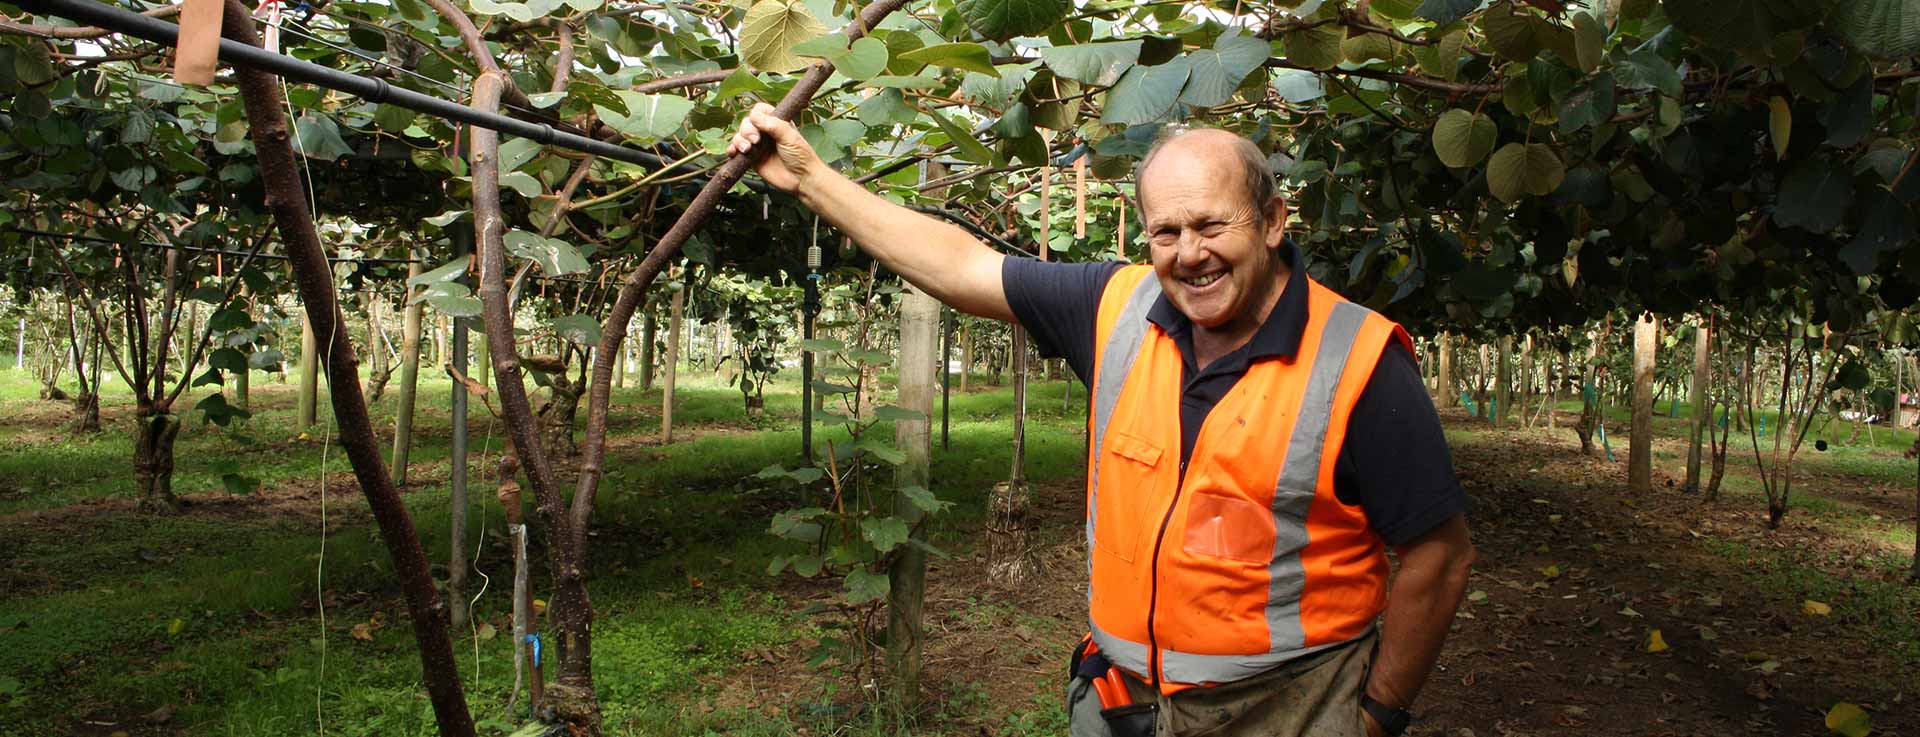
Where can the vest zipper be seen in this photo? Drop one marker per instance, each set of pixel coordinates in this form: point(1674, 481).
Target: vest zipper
point(1153, 590)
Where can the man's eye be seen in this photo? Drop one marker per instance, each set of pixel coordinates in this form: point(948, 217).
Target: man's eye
point(1213, 229)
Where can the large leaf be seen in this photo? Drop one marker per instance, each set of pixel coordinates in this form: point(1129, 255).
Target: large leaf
point(1462, 138)
point(315, 135)
point(1814, 198)
point(1520, 169)
point(1215, 73)
point(1145, 94)
point(577, 329)
point(1645, 69)
point(863, 587)
point(449, 272)
point(1511, 31)
point(1889, 29)
point(1315, 48)
point(969, 56)
point(1888, 225)
point(515, 152)
point(1442, 59)
point(1446, 11)
point(970, 148)
point(884, 533)
point(1099, 64)
point(1004, 19)
point(555, 257)
point(648, 117)
point(771, 29)
point(1298, 85)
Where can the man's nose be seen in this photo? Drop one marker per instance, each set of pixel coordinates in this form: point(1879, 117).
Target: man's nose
point(1191, 249)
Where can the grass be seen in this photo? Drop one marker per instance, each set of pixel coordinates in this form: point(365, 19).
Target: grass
point(217, 617)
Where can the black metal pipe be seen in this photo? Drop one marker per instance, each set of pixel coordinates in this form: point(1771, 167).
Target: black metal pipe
point(161, 32)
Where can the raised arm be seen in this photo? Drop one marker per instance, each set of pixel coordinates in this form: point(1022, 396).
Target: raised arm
point(933, 255)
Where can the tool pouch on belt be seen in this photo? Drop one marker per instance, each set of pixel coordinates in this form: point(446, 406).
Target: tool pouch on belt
point(1097, 701)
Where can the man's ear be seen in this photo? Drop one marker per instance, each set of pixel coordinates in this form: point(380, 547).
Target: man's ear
point(1276, 216)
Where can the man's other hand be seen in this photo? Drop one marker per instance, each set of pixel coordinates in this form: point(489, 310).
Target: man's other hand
point(795, 160)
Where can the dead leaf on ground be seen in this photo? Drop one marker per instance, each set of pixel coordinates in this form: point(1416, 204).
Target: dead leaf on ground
point(363, 632)
point(1849, 720)
point(1815, 608)
point(1655, 642)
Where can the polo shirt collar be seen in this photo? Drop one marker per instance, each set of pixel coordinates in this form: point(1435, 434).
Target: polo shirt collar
point(1278, 336)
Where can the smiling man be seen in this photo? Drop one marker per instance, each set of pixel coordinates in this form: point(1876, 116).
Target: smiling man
point(1257, 444)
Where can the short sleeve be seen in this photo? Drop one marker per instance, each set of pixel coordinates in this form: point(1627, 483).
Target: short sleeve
point(1059, 304)
point(1395, 463)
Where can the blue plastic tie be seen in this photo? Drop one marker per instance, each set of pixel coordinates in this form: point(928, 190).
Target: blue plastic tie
point(534, 640)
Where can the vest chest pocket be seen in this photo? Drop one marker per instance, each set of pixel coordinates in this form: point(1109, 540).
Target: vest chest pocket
point(1123, 503)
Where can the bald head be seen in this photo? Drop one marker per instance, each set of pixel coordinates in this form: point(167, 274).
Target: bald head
point(1221, 150)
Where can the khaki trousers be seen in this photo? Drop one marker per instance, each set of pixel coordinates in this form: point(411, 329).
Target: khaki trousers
point(1315, 696)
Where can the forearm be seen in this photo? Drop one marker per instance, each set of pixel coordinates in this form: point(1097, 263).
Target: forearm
point(1420, 610)
point(934, 255)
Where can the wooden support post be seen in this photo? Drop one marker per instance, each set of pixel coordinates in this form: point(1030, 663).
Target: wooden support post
point(907, 576)
point(674, 327)
point(1697, 397)
point(309, 375)
point(409, 380)
point(1646, 340)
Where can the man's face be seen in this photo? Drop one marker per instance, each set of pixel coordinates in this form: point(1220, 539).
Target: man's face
point(1214, 254)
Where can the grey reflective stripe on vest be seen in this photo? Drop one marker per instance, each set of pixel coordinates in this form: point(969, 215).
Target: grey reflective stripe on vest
point(1116, 362)
point(1121, 651)
point(1293, 493)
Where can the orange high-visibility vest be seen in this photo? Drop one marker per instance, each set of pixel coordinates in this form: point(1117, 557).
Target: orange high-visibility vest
point(1244, 559)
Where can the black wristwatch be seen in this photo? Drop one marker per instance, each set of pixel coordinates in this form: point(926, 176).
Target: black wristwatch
point(1393, 720)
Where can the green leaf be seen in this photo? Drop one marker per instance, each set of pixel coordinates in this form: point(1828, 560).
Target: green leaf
point(1511, 31)
point(891, 413)
point(1645, 69)
point(879, 449)
point(919, 497)
point(1888, 29)
point(452, 305)
point(1442, 59)
point(806, 475)
point(316, 136)
point(1589, 40)
point(1215, 73)
point(577, 329)
point(1098, 64)
point(886, 107)
point(648, 117)
point(216, 410)
point(770, 31)
point(1887, 226)
point(738, 83)
point(265, 359)
point(808, 566)
point(825, 345)
point(1779, 125)
point(517, 11)
point(1443, 12)
point(516, 152)
point(1145, 94)
point(1590, 105)
point(1849, 720)
point(1000, 20)
point(523, 183)
point(865, 60)
point(1315, 48)
point(884, 533)
point(1298, 85)
point(1462, 138)
point(555, 257)
point(1520, 169)
point(452, 270)
point(540, 100)
point(237, 484)
point(971, 57)
point(863, 587)
point(228, 359)
point(970, 148)
point(1814, 198)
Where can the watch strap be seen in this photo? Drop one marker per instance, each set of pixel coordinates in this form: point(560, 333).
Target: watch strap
point(1393, 720)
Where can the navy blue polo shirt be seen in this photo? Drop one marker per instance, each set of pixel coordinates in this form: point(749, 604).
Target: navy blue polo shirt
point(1395, 463)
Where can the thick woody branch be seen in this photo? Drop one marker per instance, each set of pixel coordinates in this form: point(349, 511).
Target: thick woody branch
point(279, 171)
